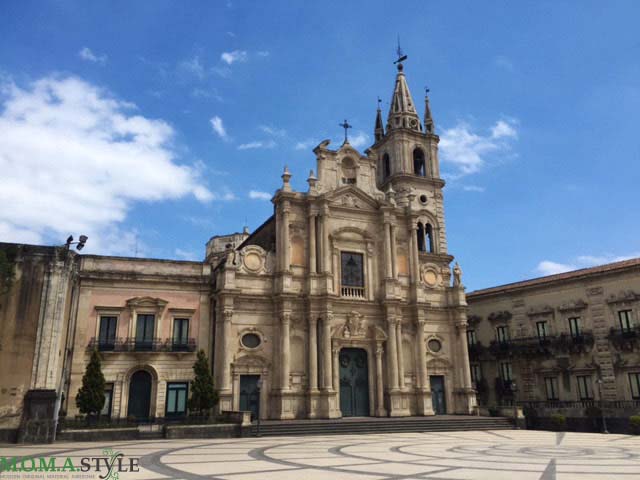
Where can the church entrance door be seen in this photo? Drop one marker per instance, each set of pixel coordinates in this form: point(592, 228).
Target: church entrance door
point(139, 395)
point(354, 382)
point(437, 395)
point(249, 394)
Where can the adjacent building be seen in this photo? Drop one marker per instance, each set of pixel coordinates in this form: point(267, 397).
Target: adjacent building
point(562, 340)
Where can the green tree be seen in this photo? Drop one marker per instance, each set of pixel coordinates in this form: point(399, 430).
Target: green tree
point(90, 398)
point(203, 396)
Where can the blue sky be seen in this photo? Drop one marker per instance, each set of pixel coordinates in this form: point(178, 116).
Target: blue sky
point(153, 125)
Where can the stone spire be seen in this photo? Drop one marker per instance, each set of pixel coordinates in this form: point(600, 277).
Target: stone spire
point(402, 112)
point(379, 128)
point(429, 125)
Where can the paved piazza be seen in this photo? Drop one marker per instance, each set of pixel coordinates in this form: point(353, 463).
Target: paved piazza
point(451, 455)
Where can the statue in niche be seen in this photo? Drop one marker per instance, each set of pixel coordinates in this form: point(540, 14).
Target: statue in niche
point(457, 276)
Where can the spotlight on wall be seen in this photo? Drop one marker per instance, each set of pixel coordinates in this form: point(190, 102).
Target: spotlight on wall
point(79, 244)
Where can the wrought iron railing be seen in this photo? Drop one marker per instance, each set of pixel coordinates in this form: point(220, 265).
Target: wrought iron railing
point(142, 345)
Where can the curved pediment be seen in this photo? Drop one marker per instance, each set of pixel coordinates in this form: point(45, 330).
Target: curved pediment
point(146, 302)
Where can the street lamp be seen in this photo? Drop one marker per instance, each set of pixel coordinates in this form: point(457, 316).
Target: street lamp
point(599, 381)
point(79, 244)
point(514, 389)
point(259, 386)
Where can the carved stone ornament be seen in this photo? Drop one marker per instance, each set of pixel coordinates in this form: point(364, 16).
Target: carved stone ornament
point(573, 305)
point(540, 310)
point(501, 316)
point(350, 201)
point(253, 259)
point(473, 320)
point(624, 296)
point(354, 326)
point(429, 276)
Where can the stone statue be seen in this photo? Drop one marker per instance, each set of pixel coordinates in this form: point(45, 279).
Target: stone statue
point(457, 275)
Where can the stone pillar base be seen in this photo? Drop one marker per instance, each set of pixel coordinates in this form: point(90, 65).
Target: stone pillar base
point(283, 405)
point(423, 403)
point(465, 401)
point(329, 407)
point(225, 403)
point(313, 404)
point(38, 417)
point(398, 404)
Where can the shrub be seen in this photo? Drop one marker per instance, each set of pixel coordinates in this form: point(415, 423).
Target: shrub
point(634, 422)
point(558, 422)
point(90, 398)
point(203, 396)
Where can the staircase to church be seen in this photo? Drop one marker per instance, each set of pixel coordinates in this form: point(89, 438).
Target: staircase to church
point(348, 426)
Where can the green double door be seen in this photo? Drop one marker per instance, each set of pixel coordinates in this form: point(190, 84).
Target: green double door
point(354, 383)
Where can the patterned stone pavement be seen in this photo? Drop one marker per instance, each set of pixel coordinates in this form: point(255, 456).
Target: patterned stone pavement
point(495, 455)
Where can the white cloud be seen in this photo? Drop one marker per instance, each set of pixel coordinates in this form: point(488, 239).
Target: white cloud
point(187, 255)
point(273, 131)
point(86, 54)
point(263, 53)
point(232, 57)
point(473, 188)
point(467, 151)
point(256, 145)
point(218, 127)
point(74, 159)
point(503, 62)
point(306, 144)
point(256, 195)
point(193, 66)
point(359, 139)
point(548, 267)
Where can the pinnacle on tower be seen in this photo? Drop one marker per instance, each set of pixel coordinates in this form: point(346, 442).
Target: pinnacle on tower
point(378, 131)
point(402, 112)
point(429, 125)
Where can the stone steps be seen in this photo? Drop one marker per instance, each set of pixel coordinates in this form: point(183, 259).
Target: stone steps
point(386, 425)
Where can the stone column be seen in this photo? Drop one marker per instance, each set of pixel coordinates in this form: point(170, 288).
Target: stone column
point(313, 353)
point(321, 245)
point(400, 356)
point(392, 353)
point(286, 243)
point(422, 356)
point(415, 257)
point(394, 252)
point(336, 369)
point(325, 240)
point(326, 352)
point(285, 350)
point(226, 347)
point(464, 355)
point(312, 243)
point(388, 272)
point(380, 410)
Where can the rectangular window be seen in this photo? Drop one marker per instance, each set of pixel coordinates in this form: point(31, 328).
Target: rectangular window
point(502, 334)
point(471, 337)
point(180, 334)
point(176, 399)
point(574, 327)
point(352, 269)
point(584, 388)
point(505, 371)
point(625, 321)
point(634, 380)
point(108, 400)
point(145, 328)
point(542, 328)
point(476, 373)
point(551, 384)
point(107, 333)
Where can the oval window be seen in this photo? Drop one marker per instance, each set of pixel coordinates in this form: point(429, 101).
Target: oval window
point(434, 345)
point(251, 340)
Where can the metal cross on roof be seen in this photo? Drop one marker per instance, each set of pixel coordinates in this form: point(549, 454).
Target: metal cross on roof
point(346, 126)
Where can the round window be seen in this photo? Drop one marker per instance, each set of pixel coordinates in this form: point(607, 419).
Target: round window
point(423, 199)
point(434, 345)
point(251, 340)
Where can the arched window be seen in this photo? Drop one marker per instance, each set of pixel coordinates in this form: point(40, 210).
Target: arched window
point(349, 172)
point(386, 166)
point(430, 245)
point(421, 244)
point(419, 167)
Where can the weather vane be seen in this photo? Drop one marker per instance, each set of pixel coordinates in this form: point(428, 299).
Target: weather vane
point(346, 126)
point(379, 102)
point(401, 56)
point(426, 90)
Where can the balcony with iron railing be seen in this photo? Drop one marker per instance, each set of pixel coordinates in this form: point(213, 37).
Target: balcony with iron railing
point(627, 340)
point(119, 345)
point(356, 293)
point(523, 346)
point(476, 349)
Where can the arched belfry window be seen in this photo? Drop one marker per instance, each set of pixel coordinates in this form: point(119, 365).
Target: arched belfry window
point(386, 165)
point(421, 244)
point(429, 241)
point(419, 167)
point(349, 172)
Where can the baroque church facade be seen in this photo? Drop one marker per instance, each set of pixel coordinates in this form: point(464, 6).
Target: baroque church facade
point(343, 303)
